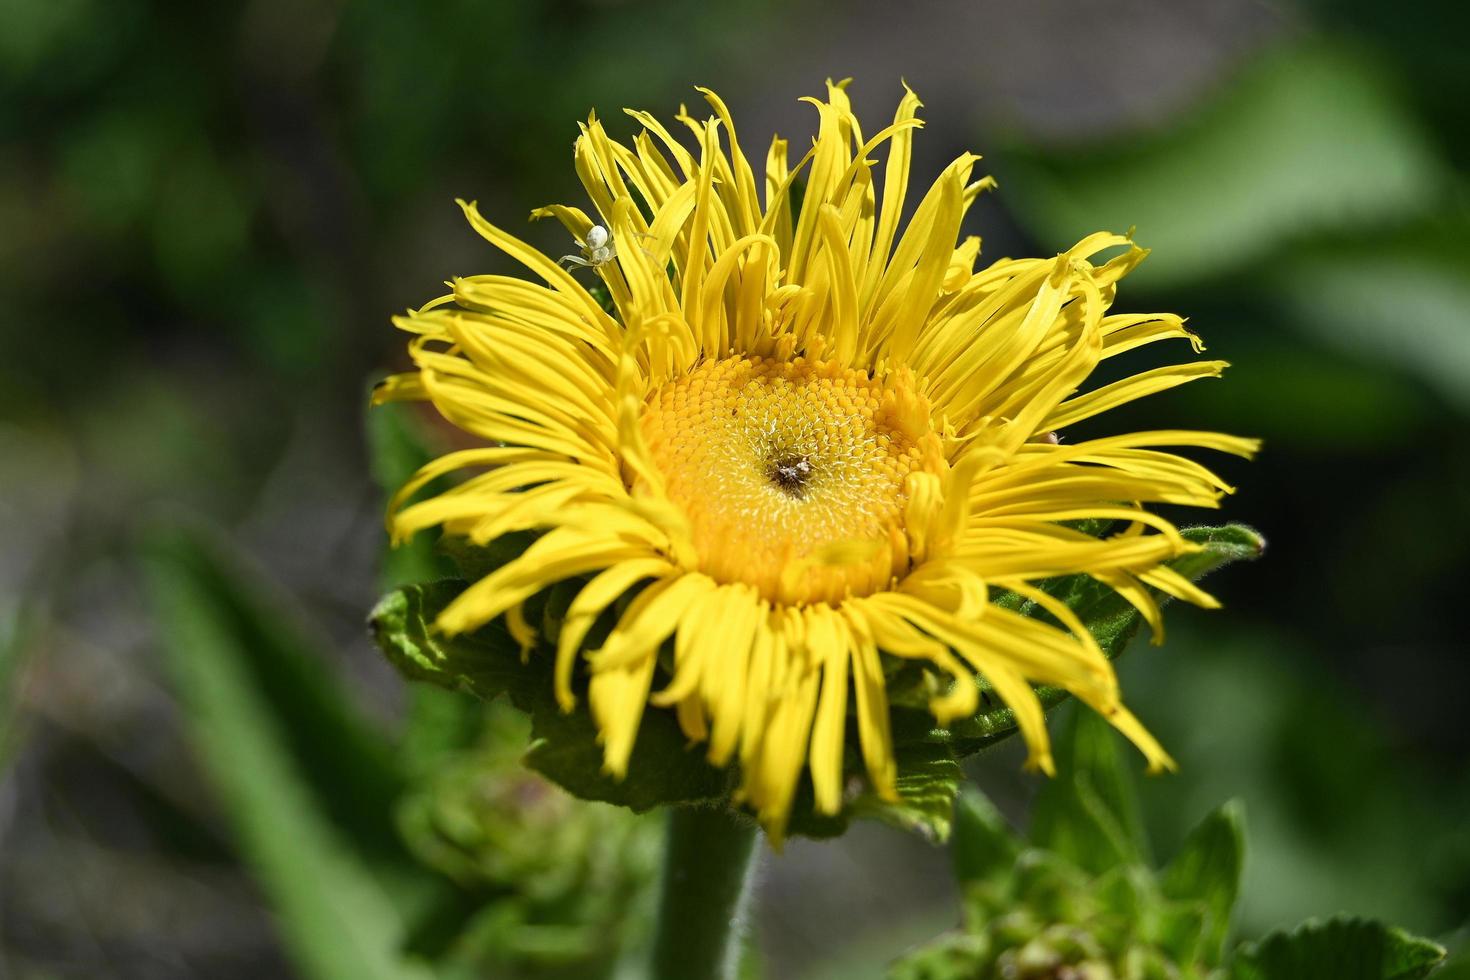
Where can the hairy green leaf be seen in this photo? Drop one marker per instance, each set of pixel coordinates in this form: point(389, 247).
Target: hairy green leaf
point(928, 779)
point(1339, 948)
point(664, 767)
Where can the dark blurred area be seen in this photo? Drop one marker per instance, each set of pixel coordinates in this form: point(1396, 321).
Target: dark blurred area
point(208, 213)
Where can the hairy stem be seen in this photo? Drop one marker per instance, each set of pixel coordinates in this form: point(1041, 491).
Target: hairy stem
point(707, 864)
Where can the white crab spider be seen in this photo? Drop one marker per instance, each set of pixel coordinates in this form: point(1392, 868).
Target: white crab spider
point(597, 250)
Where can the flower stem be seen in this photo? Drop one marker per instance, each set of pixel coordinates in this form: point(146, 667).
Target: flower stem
point(706, 880)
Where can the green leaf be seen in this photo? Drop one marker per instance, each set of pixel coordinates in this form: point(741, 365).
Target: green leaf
point(486, 662)
point(664, 767)
point(336, 920)
point(355, 777)
point(1207, 869)
point(1092, 750)
point(398, 445)
point(1361, 300)
point(1223, 546)
point(1243, 177)
point(1340, 948)
point(1089, 812)
point(984, 847)
point(928, 779)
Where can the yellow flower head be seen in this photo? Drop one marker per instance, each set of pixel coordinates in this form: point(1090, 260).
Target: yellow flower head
point(805, 440)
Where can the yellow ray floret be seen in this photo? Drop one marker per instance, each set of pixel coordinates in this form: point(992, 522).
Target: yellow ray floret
point(807, 438)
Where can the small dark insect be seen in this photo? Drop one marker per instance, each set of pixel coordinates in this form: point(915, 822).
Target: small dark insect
point(791, 474)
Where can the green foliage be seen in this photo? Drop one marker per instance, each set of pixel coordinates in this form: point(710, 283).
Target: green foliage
point(1081, 900)
point(398, 445)
point(664, 768)
point(928, 775)
point(983, 847)
point(1261, 167)
point(1088, 814)
point(556, 887)
point(1208, 868)
point(337, 920)
point(375, 860)
point(1320, 776)
point(1398, 302)
point(1337, 949)
point(258, 633)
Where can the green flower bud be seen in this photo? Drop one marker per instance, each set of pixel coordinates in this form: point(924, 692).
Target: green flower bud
point(563, 884)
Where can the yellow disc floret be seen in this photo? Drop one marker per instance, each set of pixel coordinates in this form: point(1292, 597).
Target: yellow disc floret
point(792, 473)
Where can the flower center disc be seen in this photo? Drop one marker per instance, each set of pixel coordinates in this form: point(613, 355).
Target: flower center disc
point(791, 473)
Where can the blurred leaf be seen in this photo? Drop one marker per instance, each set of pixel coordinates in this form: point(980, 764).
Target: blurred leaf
point(1388, 306)
point(39, 36)
point(354, 775)
point(285, 319)
point(1089, 812)
point(1208, 869)
point(664, 768)
point(1311, 139)
point(473, 561)
point(337, 922)
point(1456, 968)
point(984, 846)
point(110, 162)
point(16, 624)
point(1272, 723)
point(1337, 949)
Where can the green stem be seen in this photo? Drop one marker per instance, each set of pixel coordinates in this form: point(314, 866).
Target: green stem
point(706, 882)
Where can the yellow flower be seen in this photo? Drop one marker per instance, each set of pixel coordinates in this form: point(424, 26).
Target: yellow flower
point(807, 439)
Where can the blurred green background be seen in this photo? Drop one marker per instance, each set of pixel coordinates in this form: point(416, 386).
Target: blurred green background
point(208, 212)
